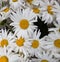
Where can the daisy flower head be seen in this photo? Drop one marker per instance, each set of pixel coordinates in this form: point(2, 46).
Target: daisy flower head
point(15, 4)
point(19, 45)
point(5, 9)
point(46, 56)
point(53, 42)
point(6, 55)
point(6, 39)
point(47, 10)
point(36, 10)
point(34, 44)
point(23, 22)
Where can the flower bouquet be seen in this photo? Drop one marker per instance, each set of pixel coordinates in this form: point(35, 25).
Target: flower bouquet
point(29, 31)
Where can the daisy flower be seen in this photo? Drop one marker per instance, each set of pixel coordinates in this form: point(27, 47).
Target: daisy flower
point(6, 56)
point(20, 47)
point(47, 10)
point(46, 57)
point(6, 39)
point(36, 10)
point(15, 4)
point(23, 22)
point(34, 44)
point(53, 42)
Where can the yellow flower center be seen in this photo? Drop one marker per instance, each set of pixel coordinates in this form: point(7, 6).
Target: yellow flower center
point(4, 42)
point(44, 60)
point(57, 43)
point(6, 10)
point(49, 9)
point(35, 43)
point(20, 42)
point(24, 24)
point(29, 1)
point(36, 10)
point(14, 0)
point(3, 59)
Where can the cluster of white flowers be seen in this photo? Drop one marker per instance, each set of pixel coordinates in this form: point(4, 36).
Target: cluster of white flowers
point(25, 44)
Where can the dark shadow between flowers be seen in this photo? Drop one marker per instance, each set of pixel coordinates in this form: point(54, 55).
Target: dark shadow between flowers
point(42, 27)
point(6, 25)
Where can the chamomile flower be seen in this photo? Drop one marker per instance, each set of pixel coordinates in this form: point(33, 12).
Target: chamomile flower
point(53, 42)
point(6, 56)
point(20, 47)
point(34, 44)
point(47, 10)
point(36, 10)
point(23, 22)
point(6, 39)
point(46, 57)
point(15, 4)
